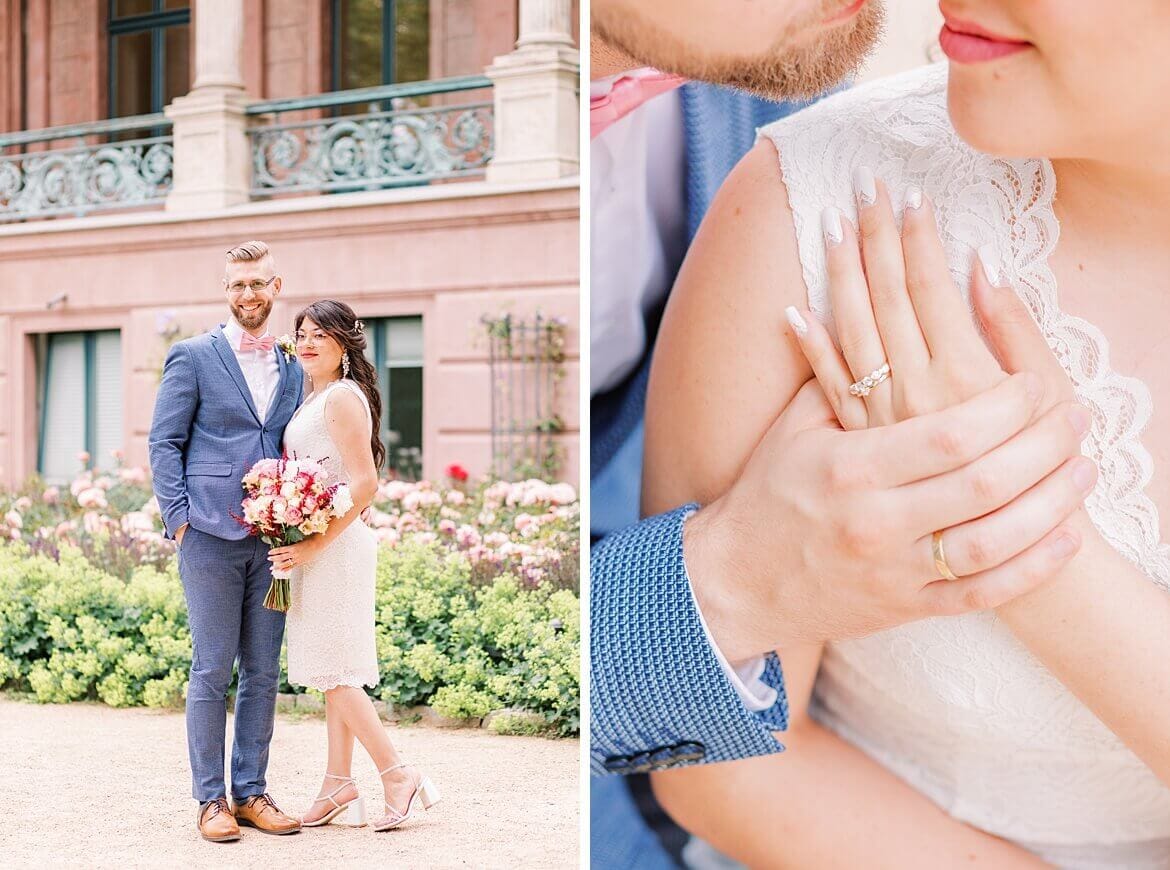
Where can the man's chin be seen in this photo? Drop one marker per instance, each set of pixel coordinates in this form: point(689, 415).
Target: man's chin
point(254, 321)
point(809, 60)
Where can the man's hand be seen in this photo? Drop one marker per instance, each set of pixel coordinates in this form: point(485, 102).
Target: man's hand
point(179, 532)
point(827, 533)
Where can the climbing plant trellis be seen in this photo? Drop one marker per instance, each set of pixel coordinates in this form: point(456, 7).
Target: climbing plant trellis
point(526, 358)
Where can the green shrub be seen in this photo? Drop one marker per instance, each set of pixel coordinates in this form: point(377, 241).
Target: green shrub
point(517, 724)
point(71, 631)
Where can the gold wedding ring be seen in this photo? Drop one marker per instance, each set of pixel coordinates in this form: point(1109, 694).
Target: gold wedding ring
point(940, 558)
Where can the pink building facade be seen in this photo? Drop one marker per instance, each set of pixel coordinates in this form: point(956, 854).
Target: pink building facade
point(429, 206)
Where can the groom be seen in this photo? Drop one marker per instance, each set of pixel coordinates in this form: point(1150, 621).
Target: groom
point(223, 403)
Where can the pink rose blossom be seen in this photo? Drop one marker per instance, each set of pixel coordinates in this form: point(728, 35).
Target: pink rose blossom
point(467, 536)
point(92, 498)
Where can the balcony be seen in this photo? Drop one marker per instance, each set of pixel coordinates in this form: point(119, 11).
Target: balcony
point(416, 134)
point(404, 140)
point(106, 165)
point(214, 149)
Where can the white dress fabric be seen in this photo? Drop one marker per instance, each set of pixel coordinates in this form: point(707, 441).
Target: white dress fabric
point(957, 707)
point(330, 618)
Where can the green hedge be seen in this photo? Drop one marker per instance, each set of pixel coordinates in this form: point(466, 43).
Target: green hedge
point(70, 631)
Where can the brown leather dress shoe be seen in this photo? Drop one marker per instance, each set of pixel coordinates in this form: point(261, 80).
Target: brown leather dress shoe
point(262, 813)
point(216, 822)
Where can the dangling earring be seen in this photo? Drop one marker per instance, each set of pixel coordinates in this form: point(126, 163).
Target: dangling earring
point(345, 364)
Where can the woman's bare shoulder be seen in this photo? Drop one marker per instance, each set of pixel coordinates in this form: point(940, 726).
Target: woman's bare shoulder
point(724, 365)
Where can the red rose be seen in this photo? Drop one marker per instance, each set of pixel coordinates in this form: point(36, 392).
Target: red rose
point(457, 472)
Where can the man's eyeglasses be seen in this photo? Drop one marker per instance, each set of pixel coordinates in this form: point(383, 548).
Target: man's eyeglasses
point(239, 287)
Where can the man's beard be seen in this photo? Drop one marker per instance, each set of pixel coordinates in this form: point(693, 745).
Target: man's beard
point(805, 69)
point(253, 320)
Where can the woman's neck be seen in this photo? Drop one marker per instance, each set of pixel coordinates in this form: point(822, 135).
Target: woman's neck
point(1114, 204)
point(319, 385)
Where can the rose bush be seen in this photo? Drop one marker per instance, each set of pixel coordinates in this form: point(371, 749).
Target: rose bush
point(530, 529)
point(476, 606)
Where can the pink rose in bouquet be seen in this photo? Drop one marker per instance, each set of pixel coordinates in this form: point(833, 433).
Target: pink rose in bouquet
point(285, 501)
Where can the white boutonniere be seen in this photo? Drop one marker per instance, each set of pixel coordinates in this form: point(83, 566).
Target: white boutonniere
point(288, 347)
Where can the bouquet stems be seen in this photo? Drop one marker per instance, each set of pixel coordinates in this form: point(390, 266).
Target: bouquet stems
point(278, 597)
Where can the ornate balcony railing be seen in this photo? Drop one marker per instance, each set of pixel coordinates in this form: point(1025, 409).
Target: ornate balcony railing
point(398, 142)
point(90, 167)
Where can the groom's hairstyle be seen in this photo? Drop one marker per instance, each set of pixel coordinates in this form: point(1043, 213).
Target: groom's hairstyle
point(250, 251)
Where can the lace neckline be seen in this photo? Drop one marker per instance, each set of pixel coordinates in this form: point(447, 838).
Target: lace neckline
point(1122, 405)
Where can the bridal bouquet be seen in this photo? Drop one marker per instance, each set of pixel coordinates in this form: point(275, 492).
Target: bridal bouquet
point(285, 501)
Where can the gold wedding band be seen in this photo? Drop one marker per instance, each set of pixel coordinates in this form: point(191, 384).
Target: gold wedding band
point(940, 558)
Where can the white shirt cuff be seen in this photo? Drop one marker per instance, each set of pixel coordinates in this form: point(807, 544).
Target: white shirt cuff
point(746, 676)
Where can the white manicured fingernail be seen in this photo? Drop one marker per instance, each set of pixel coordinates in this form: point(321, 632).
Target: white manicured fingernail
point(864, 185)
point(795, 320)
point(914, 197)
point(989, 257)
point(831, 226)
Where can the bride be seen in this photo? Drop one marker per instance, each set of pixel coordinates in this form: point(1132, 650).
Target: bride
point(331, 617)
point(1036, 733)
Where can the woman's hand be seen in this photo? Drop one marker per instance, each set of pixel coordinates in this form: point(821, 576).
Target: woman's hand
point(894, 302)
point(297, 555)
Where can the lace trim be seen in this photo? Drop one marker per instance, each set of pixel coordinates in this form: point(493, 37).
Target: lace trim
point(900, 128)
point(324, 684)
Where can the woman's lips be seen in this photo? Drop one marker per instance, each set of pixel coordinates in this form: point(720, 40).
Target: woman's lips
point(963, 42)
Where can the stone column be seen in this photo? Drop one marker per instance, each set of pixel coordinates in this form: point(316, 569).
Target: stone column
point(536, 89)
point(212, 152)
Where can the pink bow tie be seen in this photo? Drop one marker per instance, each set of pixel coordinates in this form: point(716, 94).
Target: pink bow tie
point(251, 342)
point(627, 93)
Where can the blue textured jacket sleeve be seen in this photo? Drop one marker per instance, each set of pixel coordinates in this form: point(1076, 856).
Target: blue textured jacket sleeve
point(174, 412)
point(658, 696)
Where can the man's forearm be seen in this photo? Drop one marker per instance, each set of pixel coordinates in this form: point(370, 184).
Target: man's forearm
point(653, 673)
point(720, 587)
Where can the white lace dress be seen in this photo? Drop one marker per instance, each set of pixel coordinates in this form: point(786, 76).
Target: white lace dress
point(331, 617)
point(957, 707)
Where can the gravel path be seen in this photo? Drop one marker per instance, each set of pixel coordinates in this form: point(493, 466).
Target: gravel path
point(89, 786)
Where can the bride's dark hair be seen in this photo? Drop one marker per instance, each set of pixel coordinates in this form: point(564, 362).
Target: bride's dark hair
point(338, 321)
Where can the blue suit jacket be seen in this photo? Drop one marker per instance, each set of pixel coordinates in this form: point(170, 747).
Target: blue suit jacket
point(658, 697)
point(206, 433)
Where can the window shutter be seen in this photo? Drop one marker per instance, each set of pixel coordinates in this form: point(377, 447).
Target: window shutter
point(63, 420)
point(106, 379)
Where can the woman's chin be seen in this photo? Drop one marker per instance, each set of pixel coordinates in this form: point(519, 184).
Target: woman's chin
point(982, 123)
